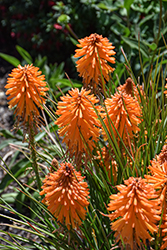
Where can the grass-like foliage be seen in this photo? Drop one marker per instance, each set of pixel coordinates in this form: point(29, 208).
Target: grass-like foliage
point(92, 158)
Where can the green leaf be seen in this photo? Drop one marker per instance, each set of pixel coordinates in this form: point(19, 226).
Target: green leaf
point(26, 56)
point(106, 7)
point(147, 18)
point(63, 19)
point(12, 60)
point(6, 133)
point(5, 143)
point(40, 62)
point(18, 169)
point(58, 71)
point(75, 42)
point(102, 6)
point(152, 46)
point(133, 43)
point(127, 4)
point(66, 82)
point(9, 197)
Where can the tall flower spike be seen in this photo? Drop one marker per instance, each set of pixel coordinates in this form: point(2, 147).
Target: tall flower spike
point(26, 90)
point(131, 89)
point(162, 157)
point(158, 179)
point(94, 51)
point(78, 121)
point(66, 195)
point(136, 212)
point(125, 113)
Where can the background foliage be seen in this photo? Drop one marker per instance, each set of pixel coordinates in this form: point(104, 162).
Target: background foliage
point(42, 27)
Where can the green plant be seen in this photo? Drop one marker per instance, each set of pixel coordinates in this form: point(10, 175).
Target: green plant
point(114, 164)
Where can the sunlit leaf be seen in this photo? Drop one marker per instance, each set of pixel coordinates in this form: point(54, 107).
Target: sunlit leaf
point(25, 55)
point(12, 60)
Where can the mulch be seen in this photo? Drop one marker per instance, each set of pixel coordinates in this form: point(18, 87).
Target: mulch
point(6, 122)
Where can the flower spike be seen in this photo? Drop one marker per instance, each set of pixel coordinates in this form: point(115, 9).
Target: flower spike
point(125, 113)
point(136, 212)
point(26, 90)
point(78, 121)
point(158, 178)
point(95, 51)
point(131, 89)
point(66, 195)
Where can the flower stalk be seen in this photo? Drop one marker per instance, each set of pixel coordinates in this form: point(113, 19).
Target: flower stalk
point(34, 159)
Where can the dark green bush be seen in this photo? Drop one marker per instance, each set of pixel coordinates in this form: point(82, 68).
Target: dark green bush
point(40, 27)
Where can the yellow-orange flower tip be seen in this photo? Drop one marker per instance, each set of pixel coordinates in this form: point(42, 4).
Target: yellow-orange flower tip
point(26, 90)
point(164, 246)
point(54, 165)
point(158, 179)
point(158, 171)
point(131, 89)
point(66, 195)
point(164, 225)
point(136, 211)
point(94, 51)
point(125, 113)
point(78, 121)
point(162, 157)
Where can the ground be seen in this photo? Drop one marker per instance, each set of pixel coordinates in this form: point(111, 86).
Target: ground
point(6, 122)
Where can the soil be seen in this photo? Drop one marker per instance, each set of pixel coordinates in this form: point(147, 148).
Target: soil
point(6, 122)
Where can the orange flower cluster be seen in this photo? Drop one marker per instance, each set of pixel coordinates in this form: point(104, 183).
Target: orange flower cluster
point(26, 90)
point(162, 157)
point(125, 113)
point(66, 195)
point(78, 121)
point(159, 180)
point(131, 89)
point(136, 212)
point(95, 51)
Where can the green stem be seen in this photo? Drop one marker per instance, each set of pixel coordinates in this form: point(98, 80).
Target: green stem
point(34, 159)
point(71, 32)
point(102, 78)
point(160, 22)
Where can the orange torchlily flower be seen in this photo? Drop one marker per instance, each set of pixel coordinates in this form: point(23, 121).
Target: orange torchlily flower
point(136, 212)
point(162, 157)
point(26, 90)
point(158, 179)
point(131, 89)
point(66, 195)
point(78, 121)
point(125, 113)
point(95, 51)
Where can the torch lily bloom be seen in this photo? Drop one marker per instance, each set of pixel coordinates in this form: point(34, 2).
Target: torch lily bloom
point(26, 90)
point(131, 89)
point(66, 195)
point(95, 51)
point(158, 178)
point(125, 113)
point(134, 212)
point(78, 121)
